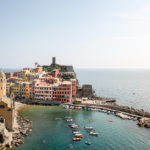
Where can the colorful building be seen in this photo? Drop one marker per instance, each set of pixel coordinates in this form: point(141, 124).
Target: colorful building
point(15, 88)
point(25, 90)
point(74, 87)
point(42, 91)
point(63, 92)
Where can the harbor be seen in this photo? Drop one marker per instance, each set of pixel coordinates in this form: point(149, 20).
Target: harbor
point(116, 110)
point(50, 127)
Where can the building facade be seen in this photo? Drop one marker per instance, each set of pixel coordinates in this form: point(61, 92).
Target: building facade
point(2, 84)
point(6, 104)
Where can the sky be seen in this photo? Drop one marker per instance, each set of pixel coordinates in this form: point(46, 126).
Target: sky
point(82, 33)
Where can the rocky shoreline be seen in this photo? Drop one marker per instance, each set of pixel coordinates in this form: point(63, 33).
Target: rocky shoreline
point(144, 122)
point(24, 129)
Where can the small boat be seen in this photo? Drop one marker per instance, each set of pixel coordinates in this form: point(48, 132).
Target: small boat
point(91, 131)
point(94, 133)
point(72, 124)
point(75, 126)
point(76, 132)
point(76, 139)
point(88, 143)
point(110, 121)
point(88, 128)
point(68, 120)
point(75, 129)
point(78, 135)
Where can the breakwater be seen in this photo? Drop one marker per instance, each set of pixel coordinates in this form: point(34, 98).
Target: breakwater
point(125, 112)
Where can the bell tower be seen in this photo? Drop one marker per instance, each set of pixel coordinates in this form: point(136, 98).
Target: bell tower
point(2, 84)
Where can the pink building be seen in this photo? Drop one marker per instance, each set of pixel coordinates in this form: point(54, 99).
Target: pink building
point(61, 91)
point(42, 91)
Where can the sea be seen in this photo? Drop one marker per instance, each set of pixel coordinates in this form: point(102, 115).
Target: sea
point(130, 87)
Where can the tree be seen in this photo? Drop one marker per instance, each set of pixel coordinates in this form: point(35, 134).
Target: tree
point(36, 64)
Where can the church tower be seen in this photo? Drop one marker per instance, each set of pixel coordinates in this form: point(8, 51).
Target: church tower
point(2, 84)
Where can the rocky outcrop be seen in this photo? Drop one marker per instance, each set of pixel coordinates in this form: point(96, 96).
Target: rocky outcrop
point(131, 110)
point(5, 139)
point(24, 130)
point(144, 122)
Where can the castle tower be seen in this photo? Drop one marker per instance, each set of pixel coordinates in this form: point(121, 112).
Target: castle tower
point(2, 84)
point(54, 61)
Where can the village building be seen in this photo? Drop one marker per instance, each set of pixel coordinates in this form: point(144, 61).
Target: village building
point(6, 104)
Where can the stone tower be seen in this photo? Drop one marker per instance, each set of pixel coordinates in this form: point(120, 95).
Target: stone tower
point(2, 84)
point(54, 61)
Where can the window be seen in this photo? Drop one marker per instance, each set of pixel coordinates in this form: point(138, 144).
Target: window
point(2, 106)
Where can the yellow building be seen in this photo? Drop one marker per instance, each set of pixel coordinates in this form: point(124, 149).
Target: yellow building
point(15, 88)
point(2, 84)
point(25, 90)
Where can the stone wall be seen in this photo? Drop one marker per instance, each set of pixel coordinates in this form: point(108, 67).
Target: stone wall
point(87, 90)
point(8, 114)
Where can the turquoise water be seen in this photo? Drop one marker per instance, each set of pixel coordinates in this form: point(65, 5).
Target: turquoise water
point(51, 134)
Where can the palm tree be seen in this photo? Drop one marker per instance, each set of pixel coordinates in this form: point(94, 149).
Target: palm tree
point(36, 64)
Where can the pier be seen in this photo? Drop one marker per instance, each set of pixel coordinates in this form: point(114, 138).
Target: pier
point(108, 108)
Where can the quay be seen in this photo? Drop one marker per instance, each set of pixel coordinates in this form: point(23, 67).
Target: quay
point(107, 108)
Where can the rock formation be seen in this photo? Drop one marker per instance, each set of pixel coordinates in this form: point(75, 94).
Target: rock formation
point(144, 122)
point(4, 136)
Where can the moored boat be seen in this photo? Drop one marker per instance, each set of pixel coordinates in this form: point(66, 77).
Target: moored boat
point(78, 135)
point(76, 132)
point(94, 133)
point(88, 128)
point(75, 126)
point(76, 139)
point(88, 143)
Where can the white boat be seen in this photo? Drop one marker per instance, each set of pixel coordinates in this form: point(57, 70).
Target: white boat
point(78, 135)
point(76, 132)
point(68, 120)
point(88, 128)
point(94, 133)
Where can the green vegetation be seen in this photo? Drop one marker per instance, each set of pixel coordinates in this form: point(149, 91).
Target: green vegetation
point(50, 68)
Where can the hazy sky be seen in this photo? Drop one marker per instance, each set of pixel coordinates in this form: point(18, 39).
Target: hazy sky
point(83, 33)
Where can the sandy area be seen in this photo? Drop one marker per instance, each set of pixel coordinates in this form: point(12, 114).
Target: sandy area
point(19, 106)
